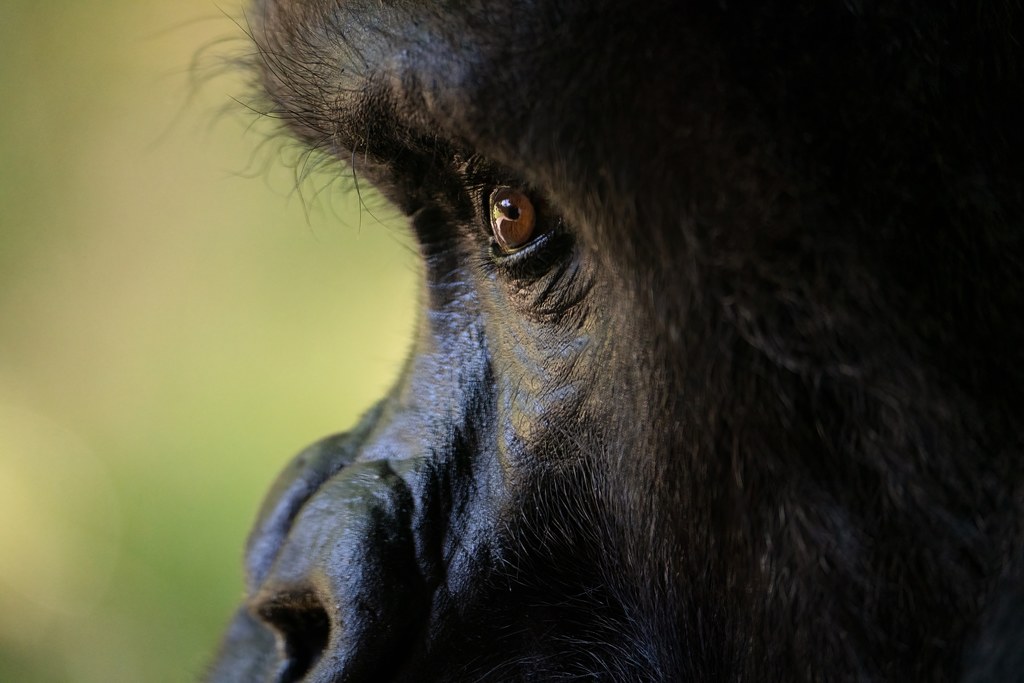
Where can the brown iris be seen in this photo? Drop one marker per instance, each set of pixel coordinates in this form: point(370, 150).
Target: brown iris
point(513, 220)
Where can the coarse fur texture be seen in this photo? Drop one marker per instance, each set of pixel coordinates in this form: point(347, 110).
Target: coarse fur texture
point(749, 407)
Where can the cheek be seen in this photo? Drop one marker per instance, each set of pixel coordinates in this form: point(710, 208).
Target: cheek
point(541, 374)
point(537, 314)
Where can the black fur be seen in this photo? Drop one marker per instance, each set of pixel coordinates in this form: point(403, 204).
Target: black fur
point(750, 410)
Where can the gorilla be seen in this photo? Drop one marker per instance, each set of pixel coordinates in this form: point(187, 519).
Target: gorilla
point(719, 373)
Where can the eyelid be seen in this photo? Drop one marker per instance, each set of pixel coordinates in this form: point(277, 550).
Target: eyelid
point(522, 255)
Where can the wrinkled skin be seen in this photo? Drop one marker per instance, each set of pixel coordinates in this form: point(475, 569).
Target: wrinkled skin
point(748, 408)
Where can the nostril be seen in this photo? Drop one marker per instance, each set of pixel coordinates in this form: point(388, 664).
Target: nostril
point(303, 630)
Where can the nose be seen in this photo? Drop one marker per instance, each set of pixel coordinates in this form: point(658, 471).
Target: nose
point(348, 585)
point(302, 629)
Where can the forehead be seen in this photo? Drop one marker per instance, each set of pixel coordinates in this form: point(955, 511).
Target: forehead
point(506, 77)
point(607, 107)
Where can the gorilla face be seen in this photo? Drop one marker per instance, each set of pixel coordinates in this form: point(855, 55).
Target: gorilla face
point(719, 364)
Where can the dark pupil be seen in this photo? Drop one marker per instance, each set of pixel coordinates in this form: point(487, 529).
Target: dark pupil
point(510, 210)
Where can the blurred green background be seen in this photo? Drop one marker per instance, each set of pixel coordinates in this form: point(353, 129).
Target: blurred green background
point(176, 320)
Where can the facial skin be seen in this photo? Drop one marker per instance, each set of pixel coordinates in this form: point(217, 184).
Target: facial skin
point(718, 375)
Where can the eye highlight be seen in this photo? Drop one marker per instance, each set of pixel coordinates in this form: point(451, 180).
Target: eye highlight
point(513, 219)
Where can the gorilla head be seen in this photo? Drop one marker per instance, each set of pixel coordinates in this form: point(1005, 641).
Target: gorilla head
point(719, 369)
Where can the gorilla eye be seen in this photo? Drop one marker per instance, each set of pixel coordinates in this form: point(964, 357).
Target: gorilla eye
point(513, 219)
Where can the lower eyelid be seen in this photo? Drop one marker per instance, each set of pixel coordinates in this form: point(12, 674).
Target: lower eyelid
point(530, 262)
point(519, 254)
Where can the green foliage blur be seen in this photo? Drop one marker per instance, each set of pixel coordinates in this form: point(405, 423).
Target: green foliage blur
point(178, 316)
